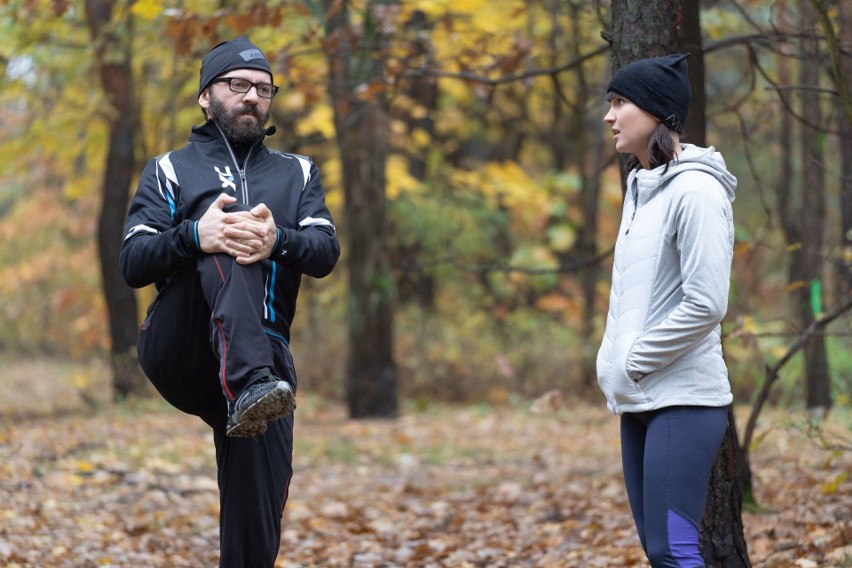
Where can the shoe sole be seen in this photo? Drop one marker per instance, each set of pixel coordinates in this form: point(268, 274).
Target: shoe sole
point(276, 404)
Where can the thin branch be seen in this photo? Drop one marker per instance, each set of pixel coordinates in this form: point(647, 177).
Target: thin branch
point(803, 88)
point(836, 58)
point(751, 165)
point(765, 39)
point(780, 89)
point(788, 334)
point(509, 78)
point(564, 268)
point(773, 372)
point(829, 442)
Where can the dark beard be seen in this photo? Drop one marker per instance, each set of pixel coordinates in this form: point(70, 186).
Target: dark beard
point(240, 131)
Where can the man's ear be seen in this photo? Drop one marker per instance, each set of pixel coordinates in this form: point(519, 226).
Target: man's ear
point(204, 99)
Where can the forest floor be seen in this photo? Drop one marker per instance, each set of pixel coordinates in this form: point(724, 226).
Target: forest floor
point(528, 484)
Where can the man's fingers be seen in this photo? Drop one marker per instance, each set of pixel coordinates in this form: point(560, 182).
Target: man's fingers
point(261, 211)
point(245, 230)
point(244, 245)
point(224, 199)
point(248, 259)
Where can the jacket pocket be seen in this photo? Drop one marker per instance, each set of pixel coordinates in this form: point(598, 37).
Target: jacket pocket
point(625, 390)
point(613, 379)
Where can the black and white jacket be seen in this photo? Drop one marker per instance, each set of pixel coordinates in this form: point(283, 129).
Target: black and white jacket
point(176, 188)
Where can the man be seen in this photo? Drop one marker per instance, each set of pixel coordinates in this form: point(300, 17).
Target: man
point(226, 227)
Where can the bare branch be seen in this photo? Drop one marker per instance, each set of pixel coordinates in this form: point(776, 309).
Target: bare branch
point(452, 260)
point(780, 89)
point(765, 39)
point(508, 78)
point(773, 372)
point(835, 56)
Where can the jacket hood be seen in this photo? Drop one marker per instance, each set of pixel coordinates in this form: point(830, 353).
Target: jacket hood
point(691, 158)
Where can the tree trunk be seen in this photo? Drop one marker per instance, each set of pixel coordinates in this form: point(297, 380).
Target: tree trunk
point(650, 29)
point(587, 151)
point(113, 57)
point(722, 540)
point(695, 130)
point(786, 211)
point(640, 30)
point(845, 276)
point(362, 130)
point(812, 215)
point(413, 282)
point(643, 29)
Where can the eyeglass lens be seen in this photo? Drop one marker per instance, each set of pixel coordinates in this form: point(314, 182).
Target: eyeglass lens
point(265, 90)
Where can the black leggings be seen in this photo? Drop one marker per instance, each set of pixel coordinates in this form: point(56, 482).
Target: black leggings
point(667, 456)
point(181, 348)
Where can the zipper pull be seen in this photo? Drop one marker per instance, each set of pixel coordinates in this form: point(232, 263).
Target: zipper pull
point(630, 224)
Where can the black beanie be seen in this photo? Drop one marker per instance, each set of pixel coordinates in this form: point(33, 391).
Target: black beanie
point(238, 53)
point(659, 86)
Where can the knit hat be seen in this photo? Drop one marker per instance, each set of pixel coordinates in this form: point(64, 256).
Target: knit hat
point(659, 86)
point(238, 53)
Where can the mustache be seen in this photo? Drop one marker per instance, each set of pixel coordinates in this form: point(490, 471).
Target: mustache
point(245, 109)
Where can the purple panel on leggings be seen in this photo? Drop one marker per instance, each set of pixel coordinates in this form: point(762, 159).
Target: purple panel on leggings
point(683, 542)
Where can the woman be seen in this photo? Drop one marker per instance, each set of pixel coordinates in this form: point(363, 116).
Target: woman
point(660, 365)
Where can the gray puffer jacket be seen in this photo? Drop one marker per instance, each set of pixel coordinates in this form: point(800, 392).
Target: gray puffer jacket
point(670, 280)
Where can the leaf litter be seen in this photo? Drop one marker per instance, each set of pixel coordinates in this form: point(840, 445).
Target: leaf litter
point(470, 486)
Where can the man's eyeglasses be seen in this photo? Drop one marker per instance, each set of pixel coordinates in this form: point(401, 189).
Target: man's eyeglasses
point(237, 85)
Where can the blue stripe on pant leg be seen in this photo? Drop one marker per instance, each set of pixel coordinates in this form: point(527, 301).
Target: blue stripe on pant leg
point(683, 542)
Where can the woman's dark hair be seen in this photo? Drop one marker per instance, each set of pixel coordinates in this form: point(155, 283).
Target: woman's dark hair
point(661, 147)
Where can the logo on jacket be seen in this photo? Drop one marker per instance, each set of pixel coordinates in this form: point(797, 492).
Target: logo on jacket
point(226, 177)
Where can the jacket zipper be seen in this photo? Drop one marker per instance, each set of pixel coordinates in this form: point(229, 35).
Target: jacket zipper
point(243, 178)
point(630, 224)
point(635, 207)
point(242, 171)
point(244, 184)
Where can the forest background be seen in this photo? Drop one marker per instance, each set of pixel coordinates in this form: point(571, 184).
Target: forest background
point(473, 182)
point(487, 243)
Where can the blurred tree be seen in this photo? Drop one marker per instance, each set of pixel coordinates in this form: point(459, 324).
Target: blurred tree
point(112, 37)
point(841, 74)
point(803, 215)
point(845, 78)
point(356, 89)
point(489, 192)
point(417, 101)
point(578, 142)
point(722, 538)
point(690, 41)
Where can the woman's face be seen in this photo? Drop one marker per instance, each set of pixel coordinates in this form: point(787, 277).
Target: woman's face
point(631, 127)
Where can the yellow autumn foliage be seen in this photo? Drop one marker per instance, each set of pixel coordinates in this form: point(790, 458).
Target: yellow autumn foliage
point(147, 9)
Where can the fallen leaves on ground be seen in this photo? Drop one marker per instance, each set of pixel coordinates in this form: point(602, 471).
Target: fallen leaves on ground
point(448, 486)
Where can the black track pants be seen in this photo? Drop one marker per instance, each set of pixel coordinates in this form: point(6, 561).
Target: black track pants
point(195, 356)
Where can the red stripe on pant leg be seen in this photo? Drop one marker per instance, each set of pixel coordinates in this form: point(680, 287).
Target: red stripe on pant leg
point(224, 360)
point(219, 266)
